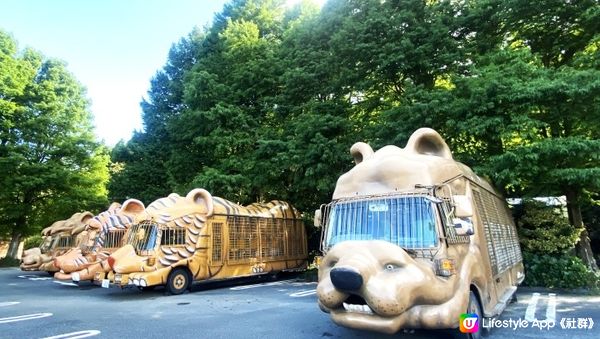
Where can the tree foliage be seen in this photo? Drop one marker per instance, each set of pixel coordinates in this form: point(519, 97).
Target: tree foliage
point(271, 98)
point(51, 164)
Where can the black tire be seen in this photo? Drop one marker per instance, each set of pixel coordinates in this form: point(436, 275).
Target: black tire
point(475, 307)
point(178, 281)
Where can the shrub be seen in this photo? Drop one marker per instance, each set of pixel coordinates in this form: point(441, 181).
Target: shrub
point(545, 230)
point(558, 271)
point(9, 262)
point(32, 241)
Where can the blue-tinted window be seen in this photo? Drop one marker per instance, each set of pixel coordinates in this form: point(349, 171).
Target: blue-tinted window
point(408, 222)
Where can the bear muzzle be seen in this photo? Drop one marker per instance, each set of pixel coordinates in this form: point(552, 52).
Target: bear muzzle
point(346, 278)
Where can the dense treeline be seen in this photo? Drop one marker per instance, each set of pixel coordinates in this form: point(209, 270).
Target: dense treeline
point(266, 102)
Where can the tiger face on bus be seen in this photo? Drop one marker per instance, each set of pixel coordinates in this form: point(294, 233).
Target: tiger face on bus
point(410, 240)
point(91, 249)
point(104, 234)
point(201, 237)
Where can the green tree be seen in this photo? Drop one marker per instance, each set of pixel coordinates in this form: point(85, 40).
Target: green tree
point(524, 109)
point(51, 163)
point(140, 167)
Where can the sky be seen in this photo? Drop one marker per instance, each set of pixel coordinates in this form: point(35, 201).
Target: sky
point(113, 47)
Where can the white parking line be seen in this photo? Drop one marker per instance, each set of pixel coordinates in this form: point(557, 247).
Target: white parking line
point(551, 310)
point(530, 312)
point(24, 317)
point(75, 335)
point(303, 293)
point(9, 303)
point(246, 287)
point(65, 283)
point(33, 277)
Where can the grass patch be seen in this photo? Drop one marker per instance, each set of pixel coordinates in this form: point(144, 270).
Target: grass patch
point(9, 262)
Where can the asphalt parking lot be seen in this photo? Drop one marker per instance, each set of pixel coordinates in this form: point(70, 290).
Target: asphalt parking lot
point(33, 305)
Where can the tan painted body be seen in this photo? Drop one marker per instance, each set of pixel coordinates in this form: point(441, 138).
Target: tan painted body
point(90, 250)
point(218, 240)
point(54, 242)
point(397, 288)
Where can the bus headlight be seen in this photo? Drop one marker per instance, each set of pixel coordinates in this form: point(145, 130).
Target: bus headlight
point(445, 267)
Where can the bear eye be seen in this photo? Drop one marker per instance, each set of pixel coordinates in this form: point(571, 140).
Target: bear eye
point(391, 267)
point(332, 263)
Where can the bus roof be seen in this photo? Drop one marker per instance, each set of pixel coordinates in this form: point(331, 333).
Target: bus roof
point(426, 161)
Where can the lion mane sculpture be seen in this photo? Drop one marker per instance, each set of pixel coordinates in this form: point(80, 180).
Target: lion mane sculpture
point(41, 258)
point(85, 260)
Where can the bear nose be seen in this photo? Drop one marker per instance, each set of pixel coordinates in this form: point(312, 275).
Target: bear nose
point(346, 278)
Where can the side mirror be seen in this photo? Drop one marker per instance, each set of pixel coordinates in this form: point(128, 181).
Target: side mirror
point(463, 226)
point(318, 218)
point(463, 206)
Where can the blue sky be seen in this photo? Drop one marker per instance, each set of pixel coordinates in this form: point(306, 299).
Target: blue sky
point(112, 47)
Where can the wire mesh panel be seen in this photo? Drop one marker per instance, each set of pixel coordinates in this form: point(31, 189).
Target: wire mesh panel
point(296, 238)
point(114, 239)
point(172, 236)
point(217, 243)
point(243, 238)
point(271, 238)
point(489, 236)
point(65, 242)
point(499, 230)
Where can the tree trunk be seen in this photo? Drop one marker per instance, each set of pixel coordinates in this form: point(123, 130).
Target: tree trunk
point(14, 245)
point(583, 247)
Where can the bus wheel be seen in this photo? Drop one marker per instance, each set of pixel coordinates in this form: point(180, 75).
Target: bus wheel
point(178, 281)
point(475, 308)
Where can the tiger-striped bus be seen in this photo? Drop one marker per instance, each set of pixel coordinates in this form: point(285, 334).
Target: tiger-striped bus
point(200, 237)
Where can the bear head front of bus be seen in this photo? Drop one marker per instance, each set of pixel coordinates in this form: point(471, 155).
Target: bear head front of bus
point(166, 235)
point(381, 216)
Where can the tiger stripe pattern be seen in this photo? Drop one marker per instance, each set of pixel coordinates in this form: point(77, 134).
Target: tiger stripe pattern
point(177, 212)
point(98, 228)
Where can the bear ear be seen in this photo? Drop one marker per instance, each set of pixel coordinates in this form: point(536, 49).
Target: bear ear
point(428, 142)
point(114, 206)
point(360, 152)
point(84, 217)
point(133, 206)
point(201, 196)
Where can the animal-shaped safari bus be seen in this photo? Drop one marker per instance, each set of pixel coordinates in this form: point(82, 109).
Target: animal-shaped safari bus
point(103, 235)
point(56, 240)
point(200, 237)
point(414, 239)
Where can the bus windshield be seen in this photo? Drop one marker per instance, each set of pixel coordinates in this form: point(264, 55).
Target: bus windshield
point(408, 222)
point(143, 236)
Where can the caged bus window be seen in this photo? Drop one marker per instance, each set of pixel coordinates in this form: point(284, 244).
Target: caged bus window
point(172, 236)
point(65, 241)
